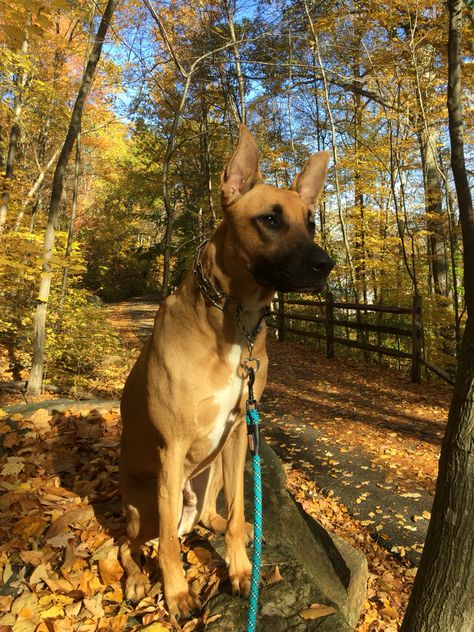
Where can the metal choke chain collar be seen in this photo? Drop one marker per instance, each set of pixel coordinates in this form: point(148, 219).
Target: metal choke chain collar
point(218, 298)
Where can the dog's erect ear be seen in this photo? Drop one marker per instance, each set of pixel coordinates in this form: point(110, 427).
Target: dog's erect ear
point(309, 183)
point(242, 172)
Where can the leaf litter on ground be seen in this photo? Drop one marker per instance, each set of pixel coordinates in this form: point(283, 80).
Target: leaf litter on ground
point(61, 525)
point(61, 509)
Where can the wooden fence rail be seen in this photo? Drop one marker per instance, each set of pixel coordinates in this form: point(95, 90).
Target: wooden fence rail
point(328, 319)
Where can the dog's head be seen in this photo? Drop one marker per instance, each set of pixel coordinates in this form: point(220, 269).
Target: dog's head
point(272, 230)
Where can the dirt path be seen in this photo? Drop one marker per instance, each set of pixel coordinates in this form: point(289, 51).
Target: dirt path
point(361, 433)
point(365, 434)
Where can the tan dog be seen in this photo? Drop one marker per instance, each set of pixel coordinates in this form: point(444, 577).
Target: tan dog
point(183, 405)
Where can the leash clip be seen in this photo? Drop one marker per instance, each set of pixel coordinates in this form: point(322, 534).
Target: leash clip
point(253, 431)
point(251, 367)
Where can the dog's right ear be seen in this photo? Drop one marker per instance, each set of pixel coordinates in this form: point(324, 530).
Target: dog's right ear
point(243, 171)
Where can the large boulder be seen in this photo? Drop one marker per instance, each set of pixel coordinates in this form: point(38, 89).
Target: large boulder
point(317, 568)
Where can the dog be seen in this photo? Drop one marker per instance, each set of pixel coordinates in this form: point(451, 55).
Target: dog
point(183, 404)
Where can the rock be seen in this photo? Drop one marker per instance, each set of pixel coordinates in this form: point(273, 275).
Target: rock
point(317, 568)
point(356, 588)
point(27, 410)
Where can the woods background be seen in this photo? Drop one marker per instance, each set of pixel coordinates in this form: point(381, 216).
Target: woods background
point(365, 80)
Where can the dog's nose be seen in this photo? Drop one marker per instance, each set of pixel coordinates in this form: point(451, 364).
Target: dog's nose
point(321, 262)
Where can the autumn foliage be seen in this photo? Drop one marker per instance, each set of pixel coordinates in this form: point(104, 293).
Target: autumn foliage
point(365, 80)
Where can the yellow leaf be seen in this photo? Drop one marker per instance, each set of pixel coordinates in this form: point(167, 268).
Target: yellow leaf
point(53, 611)
point(203, 555)
point(388, 611)
point(274, 577)
point(316, 611)
point(199, 555)
point(156, 626)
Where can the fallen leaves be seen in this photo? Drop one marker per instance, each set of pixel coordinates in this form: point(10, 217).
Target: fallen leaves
point(390, 580)
point(360, 406)
point(316, 611)
point(62, 521)
point(58, 480)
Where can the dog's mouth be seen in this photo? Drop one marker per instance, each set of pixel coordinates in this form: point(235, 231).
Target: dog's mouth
point(305, 272)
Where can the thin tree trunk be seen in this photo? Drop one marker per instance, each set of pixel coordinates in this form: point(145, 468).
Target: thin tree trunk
point(345, 239)
point(72, 220)
point(37, 365)
point(453, 246)
point(207, 161)
point(34, 190)
point(169, 207)
point(14, 136)
point(320, 146)
point(435, 216)
point(441, 599)
point(238, 68)
point(38, 203)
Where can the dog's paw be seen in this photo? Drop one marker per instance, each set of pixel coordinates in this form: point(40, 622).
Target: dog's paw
point(240, 571)
point(136, 586)
point(183, 603)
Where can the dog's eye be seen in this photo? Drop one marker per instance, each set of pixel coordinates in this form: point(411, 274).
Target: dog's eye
point(312, 227)
point(269, 219)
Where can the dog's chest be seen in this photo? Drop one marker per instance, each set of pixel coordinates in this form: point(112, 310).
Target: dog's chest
point(227, 401)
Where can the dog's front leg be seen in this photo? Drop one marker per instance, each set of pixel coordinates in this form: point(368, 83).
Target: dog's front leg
point(233, 461)
point(180, 601)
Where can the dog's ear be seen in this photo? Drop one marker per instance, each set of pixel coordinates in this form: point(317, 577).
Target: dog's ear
point(242, 172)
point(309, 183)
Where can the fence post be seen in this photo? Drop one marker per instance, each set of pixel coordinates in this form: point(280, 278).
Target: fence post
point(416, 340)
point(281, 317)
point(329, 325)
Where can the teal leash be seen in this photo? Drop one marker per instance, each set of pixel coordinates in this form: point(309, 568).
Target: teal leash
point(253, 434)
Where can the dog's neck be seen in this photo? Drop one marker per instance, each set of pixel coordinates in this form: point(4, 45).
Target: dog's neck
point(219, 287)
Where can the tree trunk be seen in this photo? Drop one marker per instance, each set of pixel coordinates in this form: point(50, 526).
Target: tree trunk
point(441, 600)
point(206, 141)
point(345, 240)
point(72, 220)
point(36, 373)
point(169, 207)
point(14, 137)
point(34, 190)
point(435, 217)
point(238, 69)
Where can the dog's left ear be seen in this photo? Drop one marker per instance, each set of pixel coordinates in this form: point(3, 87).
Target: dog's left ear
point(309, 183)
point(242, 172)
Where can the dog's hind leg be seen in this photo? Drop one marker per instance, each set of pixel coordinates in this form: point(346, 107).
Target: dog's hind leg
point(141, 516)
point(137, 583)
point(210, 518)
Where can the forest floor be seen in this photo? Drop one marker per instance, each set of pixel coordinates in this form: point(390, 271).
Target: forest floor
point(359, 443)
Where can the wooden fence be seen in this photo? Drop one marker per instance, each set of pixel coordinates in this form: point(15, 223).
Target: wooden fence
point(329, 319)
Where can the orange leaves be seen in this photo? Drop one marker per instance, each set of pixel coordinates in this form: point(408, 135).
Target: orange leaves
point(199, 555)
point(390, 580)
point(61, 564)
point(110, 572)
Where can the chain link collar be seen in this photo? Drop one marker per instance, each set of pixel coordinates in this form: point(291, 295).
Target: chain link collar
point(217, 297)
